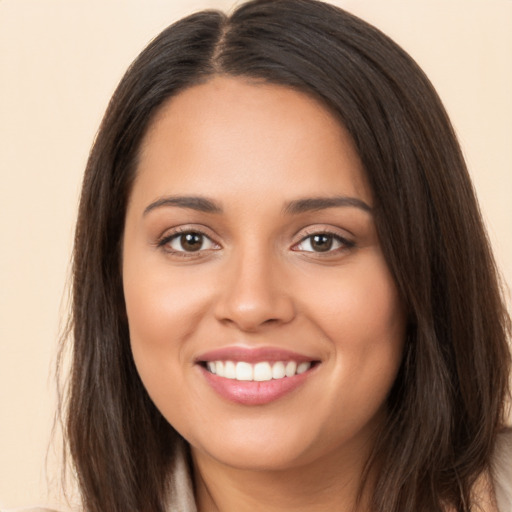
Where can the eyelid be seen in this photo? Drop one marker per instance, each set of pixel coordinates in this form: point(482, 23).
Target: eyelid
point(309, 232)
point(173, 233)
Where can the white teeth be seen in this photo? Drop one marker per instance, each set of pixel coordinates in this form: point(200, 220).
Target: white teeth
point(259, 372)
point(244, 371)
point(291, 368)
point(278, 371)
point(303, 367)
point(262, 371)
point(229, 370)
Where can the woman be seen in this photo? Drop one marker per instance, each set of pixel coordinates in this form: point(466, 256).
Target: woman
point(284, 296)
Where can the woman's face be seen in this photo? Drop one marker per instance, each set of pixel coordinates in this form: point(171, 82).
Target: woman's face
point(264, 321)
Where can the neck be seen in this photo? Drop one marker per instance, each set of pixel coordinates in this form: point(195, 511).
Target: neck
point(329, 484)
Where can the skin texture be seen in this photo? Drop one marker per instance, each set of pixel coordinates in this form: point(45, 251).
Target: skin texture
point(257, 282)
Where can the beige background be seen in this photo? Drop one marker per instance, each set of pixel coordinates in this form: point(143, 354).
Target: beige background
point(59, 63)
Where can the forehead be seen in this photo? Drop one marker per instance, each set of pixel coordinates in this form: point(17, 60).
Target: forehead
point(230, 135)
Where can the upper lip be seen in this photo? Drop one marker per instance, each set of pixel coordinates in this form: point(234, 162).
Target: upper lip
point(252, 355)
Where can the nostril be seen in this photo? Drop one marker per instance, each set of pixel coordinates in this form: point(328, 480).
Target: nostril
point(253, 294)
point(252, 313)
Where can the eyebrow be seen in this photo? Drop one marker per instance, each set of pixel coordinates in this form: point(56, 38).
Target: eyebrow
point(308, 204)
point(311, 204)
point(201, 204)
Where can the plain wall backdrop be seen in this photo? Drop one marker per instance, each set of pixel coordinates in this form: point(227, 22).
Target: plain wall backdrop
point(60, 61)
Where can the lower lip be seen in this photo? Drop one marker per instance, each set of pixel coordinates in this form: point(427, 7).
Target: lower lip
point(252, 392)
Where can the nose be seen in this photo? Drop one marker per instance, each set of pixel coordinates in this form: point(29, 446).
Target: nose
point(254, 294)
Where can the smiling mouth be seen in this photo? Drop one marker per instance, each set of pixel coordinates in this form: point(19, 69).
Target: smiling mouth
point(257, 383)
point(259, 372)
point(255, 376)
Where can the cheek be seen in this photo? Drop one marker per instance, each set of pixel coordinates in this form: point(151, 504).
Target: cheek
point(163, 307)
point(161, 313)
point(360, 308)
point(155, 323)
point(362, 316)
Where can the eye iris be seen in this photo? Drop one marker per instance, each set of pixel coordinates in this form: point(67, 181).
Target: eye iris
point(321, 243)
point(191, 241)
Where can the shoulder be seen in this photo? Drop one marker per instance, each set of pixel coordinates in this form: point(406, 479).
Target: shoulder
point(502, 470)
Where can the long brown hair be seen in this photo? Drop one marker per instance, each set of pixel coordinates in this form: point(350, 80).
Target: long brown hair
point(447, 404)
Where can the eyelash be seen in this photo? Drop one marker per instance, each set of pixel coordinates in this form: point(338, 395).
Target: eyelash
point(178, 232)
point(345, 244)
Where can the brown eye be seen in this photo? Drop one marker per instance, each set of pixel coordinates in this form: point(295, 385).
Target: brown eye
point(190, 241)
point(321, 243)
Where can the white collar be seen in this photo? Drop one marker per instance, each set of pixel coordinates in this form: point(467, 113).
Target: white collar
point(180, 493)
point(180, 496)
